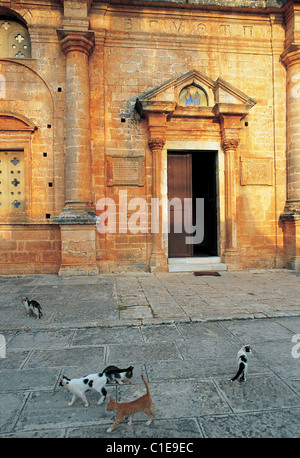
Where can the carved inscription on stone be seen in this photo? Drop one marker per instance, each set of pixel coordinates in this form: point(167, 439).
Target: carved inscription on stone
point(256, 171)
point(186, 27)
point(125, 171)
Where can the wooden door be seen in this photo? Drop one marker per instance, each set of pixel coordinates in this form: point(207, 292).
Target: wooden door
point(179, 187)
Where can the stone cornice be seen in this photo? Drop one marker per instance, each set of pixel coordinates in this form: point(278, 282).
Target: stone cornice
point(231, 110)
point(73, 40)
point(148, 107)
point(212, 5)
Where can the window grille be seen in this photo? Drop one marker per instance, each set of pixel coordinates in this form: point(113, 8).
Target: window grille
point(12, 183)
point(14, 39)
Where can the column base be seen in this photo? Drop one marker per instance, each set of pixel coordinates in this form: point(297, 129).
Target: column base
point(78, 250)
point(291, 237)
point(232, 260)
point(294, 263)
point(291, 209)
point(158, 262)
point(74, 271)
point(77, 212)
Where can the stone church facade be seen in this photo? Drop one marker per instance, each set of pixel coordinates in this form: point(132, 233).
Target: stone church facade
point(117, 118)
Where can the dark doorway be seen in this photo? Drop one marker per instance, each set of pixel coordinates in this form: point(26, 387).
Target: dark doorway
point(204, 185)
point(192, 174)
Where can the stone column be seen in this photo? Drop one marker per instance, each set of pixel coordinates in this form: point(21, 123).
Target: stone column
point(77, 219)
point(77, 46)
point(156, 141)
point(231, 255)
point(230, 125)
point(156, 113)
point(291, 215)
point(158, 260)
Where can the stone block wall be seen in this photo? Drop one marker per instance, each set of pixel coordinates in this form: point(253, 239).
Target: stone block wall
point(137, 48)
point(29, 249)
point(142, 50)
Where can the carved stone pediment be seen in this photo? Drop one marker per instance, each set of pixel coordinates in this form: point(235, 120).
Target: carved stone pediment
point(193, 94)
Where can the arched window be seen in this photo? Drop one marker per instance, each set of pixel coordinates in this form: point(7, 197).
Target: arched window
point(14, 38)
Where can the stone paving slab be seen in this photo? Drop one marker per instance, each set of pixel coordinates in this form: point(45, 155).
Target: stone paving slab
point(259, 392)
point(41, 339)
point(279, 358)
point(96, 337)
point(159, 351)
point(66, 357)
point(170, 429)
point(144, 298)
point(183, 335)
point(262, 331)
point(187, 389)
point(26, 379)
point(271, 424)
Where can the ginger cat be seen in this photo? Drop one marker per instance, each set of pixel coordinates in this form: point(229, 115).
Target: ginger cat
point(126, 409)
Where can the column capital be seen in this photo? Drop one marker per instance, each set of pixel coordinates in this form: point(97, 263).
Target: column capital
point(76, 40)
point(230, 139)
point(157, 114)
point(291, 55)
point(157, 127)
point(230, 144)
point(229, 117)
point(156, 143)
point(230, 135)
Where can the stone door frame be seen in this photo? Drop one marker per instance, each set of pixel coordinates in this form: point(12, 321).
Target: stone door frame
point(228, 116)
point(191, 146)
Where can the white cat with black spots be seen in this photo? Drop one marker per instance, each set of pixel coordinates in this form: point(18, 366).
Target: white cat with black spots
point(242, 358)
point(78, 387)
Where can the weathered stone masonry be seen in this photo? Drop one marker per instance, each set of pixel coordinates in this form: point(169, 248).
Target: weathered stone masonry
point(91, 104)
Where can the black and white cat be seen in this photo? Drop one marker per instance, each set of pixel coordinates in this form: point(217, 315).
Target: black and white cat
point(32, 307)
point(242, 358)
point(78, 387)
point(114, 374)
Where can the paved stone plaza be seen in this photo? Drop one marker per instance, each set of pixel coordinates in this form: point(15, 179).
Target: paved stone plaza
point(181, 331)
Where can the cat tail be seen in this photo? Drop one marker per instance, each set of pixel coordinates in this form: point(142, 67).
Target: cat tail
point(241, 368)
point(147, 386)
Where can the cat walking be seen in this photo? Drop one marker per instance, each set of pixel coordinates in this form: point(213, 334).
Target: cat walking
point(242, 358)
point(78, 387)
point(33, 307)
point(127, 409)
point(114, 374)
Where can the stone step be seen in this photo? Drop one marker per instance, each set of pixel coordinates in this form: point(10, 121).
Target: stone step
point(193, 264)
